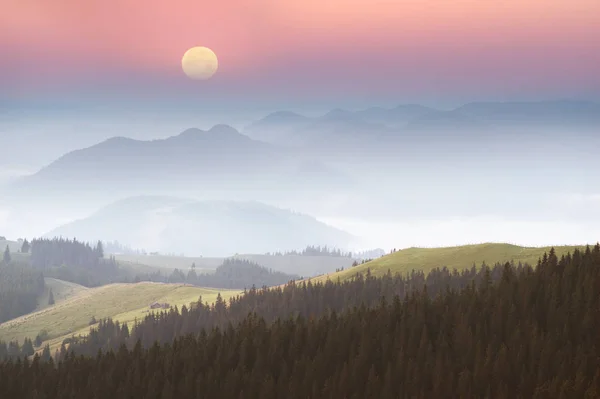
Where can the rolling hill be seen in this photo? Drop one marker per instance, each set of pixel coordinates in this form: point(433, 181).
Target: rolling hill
point(122, 302)
point(460, 257)
point(203, 228)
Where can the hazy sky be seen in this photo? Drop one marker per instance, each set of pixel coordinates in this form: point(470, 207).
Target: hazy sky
point(290, 54)
point(302, 50)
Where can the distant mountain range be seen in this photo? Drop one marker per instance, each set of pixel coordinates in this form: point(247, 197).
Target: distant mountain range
point(375, 117)
point(376, 154)
point(195, 161)
point(405, 125)
point(544, 114)
point(42, 133)
point(203, 228)
point(337, 127)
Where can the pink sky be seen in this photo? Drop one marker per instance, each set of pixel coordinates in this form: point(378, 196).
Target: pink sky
point(307, 45)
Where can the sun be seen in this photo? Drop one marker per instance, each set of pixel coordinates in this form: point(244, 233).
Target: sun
point(199, 63)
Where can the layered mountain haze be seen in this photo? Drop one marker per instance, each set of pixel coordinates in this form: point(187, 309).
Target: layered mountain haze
point(64, 125)
point(409, 130)
point(394, 117)
point(513, 161)
point(553, 115)
point(299, 199)
point(204, 228)
point(277, 127)
point(195, 162)
point(337, 129)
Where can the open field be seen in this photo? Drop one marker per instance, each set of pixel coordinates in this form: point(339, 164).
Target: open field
point(461, 257)
point(122, 302)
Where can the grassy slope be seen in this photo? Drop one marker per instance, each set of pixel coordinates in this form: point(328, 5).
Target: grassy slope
point(122, 302)
point(460, 257)
point(62, 291)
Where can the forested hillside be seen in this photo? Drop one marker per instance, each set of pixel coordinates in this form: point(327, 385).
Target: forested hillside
point(75, 261)
point(20, 287)
point(505, 333)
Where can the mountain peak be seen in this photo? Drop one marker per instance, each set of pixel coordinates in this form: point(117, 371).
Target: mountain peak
point(192, 130)
point(220, 130)
point(117, 141)
point(223, 129)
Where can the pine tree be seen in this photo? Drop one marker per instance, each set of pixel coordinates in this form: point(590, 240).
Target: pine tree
point(27, 348)
point(100, 250)
point(7, 258)
point(25, 247)
point(46, 353)
point(51, 298)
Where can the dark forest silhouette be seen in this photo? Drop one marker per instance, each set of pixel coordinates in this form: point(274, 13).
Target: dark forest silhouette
point(506, 332)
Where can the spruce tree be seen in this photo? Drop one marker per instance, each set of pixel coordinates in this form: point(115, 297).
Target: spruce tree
point(27, 348)
point(25, 247)
point(46, 353)
point(7, 258)
point(100, 250)
point(51, 298)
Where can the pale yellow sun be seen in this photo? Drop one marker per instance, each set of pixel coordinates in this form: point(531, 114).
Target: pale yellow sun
point(199, 63)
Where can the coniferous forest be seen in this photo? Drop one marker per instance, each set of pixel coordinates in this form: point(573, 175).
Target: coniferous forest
point(20, 286)
point(75, 261)
point(504, 332)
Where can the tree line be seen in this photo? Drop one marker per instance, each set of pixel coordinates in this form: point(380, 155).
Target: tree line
point(75, 261)
point(232, 273)
point(510, 333)
point(314, 251)
point(115, 247)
